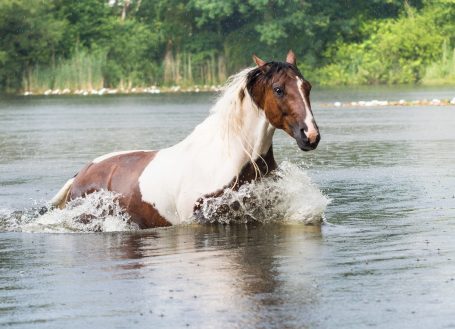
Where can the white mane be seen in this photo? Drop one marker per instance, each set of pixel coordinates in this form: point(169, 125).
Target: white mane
point(234, 107)
point(231, 105)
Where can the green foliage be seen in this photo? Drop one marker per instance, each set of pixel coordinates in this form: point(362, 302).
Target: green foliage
point(30, 35)
point(122, 44)
point(89, 22)
point(398, 51)
point(128, 53)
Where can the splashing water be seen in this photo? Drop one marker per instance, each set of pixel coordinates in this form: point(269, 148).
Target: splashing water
point(288, 196)
point(97, 212)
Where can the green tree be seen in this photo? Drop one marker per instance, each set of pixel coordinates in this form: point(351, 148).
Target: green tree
point(128, 55)
point(88, 25)
point(30, 36)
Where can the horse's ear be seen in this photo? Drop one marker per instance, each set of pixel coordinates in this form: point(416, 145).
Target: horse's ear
point(290, 58)
point(259, 62)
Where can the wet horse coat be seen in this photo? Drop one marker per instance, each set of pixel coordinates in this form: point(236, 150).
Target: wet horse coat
point(232, 146)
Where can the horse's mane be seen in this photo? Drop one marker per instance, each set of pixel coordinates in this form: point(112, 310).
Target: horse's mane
point(231, 106)
point(233, 101)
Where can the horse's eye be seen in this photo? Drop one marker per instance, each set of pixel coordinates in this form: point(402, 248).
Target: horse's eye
point(278, 91)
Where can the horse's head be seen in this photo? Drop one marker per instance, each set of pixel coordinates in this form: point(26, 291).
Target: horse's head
point(281, 91)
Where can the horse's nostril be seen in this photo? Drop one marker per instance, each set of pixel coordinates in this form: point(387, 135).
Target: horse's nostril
point(303, 135)
point(312, 136)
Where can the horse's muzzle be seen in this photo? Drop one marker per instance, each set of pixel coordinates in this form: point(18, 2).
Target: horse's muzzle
point(307, 143)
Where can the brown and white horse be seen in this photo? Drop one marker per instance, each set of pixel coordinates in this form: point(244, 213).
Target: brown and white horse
point(232, 146)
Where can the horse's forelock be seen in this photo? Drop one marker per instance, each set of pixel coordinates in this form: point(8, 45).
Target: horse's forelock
point(265, 74)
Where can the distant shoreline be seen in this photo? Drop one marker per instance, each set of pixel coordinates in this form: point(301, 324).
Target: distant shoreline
point(117, 91)
point(401, 102)
point(217, 88)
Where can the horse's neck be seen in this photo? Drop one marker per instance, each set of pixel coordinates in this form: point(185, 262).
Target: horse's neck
point(255, 135)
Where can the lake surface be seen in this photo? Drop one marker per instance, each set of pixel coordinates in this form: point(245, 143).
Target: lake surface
point(384, 258)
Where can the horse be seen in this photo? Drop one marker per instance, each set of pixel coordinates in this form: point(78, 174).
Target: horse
point(231, 147)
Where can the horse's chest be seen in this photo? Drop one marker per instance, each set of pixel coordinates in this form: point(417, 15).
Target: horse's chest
point(174, 187)
point(175, 184)
point(250, 172)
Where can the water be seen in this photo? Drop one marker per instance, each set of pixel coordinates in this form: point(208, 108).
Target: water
point(385, 258)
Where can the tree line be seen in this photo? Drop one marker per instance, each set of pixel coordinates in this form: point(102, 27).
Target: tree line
point(89, 44)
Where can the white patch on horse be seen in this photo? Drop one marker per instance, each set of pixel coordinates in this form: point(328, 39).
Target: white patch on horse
point(311, 133)
point(113, 154)
point(212, 156)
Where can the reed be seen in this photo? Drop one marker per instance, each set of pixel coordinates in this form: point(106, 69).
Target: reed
point(86, 71)
point(443, 70)
point(83, 71)
point(187, 69)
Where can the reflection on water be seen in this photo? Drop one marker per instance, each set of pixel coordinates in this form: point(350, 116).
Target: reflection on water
point(201, 275)
point(386, 257)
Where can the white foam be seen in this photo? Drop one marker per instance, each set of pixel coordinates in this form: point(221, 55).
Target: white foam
point(288, 197)
point(98, 212)
point(12, 220)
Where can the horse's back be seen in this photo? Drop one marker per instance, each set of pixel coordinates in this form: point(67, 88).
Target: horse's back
point(120, 173)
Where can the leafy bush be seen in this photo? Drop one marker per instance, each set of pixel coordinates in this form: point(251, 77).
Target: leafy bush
point(397, 52)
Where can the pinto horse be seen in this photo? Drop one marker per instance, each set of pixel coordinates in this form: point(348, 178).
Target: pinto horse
point(231, 147)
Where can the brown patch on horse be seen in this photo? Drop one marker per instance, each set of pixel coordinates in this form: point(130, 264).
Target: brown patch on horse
point(120, 174)
point(266, 164)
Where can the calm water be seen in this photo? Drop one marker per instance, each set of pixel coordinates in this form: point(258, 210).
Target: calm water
point(385, 258)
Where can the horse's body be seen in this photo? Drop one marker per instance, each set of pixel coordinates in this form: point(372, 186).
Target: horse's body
point(232, 146)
